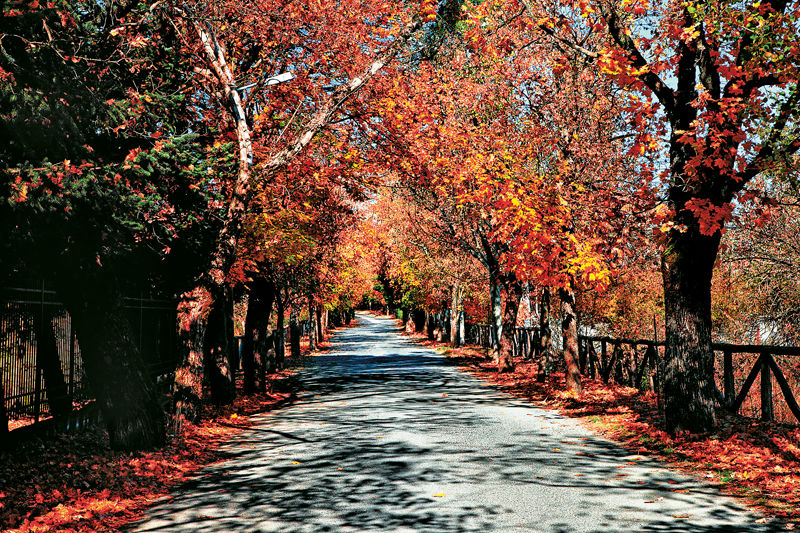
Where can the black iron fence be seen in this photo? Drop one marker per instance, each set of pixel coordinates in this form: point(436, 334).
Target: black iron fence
point(41, 369)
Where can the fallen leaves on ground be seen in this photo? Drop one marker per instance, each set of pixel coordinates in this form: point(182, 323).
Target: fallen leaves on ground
point(76, 483)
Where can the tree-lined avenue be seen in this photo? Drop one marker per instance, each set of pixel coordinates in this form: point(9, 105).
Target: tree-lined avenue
point(389, 436)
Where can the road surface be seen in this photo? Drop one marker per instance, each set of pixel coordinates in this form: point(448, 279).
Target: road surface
point(389, 436)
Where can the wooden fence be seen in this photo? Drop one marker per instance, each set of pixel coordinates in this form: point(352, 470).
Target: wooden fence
point(639, 363)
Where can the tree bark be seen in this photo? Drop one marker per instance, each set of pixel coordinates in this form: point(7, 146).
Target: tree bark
point(47, 351)
point(495, 314)
point(193, 311)
point(114, 367)
point(312, 330)
point(259, 309)
point(255, 310)
point(280, 331)
point(217, 352)
point(318, 323)
point(569, 332)
point(545, 335)
point(687, 268)
point(294, 327)
point(505, 360)
point(456, 316)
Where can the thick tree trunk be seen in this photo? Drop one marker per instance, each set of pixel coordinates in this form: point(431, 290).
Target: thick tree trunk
point(687, 268)
point(217, 352)
point(419, 320)
point(113, 365)
point(545, 335)
point(259, 309)
point(194, 309)
point(47, 352)
point(505, 359)
point(569, 332)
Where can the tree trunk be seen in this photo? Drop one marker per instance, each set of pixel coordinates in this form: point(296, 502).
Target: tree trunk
point(280, 332)
point(113, 365)
point(47, 351)
point(217, 353)
point(495, 315)
point(505, 359)
point(456, 315)
point(266, 358)
point(193, 311)
point(419, 320)
point(569, 332)
point(318, 322)
point(259, 309)
point(430, 325)
point(545, 334)
point(255, 312)
point(294, 333)
point(312, 328)
point(687, 268)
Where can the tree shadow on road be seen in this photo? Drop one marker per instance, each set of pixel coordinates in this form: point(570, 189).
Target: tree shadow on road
point(405, 443)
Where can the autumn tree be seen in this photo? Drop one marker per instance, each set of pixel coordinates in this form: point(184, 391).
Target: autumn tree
point(717, 84)
point(104, 190)
point(259, 42)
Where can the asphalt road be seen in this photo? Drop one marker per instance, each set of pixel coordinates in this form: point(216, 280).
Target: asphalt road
point(389, 436)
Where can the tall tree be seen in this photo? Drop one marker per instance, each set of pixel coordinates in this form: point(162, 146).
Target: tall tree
point(718, 83)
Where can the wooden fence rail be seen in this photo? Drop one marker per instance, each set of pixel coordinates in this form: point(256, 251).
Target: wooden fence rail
point(629, 368)
point(639, 363)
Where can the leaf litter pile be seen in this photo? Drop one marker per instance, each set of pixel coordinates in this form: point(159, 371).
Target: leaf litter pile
point(76, 483)
point(759, 462)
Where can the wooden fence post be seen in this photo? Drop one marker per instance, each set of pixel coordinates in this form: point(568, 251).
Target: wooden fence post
point(727, 377)
point(767, 409)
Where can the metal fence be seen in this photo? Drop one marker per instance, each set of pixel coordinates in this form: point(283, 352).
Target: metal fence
point(40, 355)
